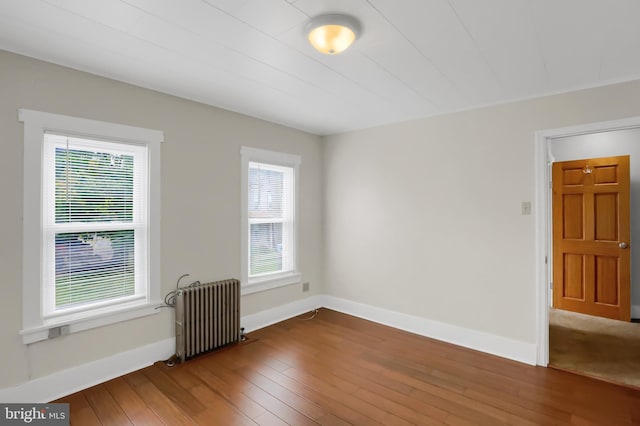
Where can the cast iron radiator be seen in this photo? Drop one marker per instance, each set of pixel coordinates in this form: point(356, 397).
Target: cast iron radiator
point(207, 317)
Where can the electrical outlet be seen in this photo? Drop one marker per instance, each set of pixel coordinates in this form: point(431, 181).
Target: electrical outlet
point(305, 287)
point(58, 331)
point(526, 207)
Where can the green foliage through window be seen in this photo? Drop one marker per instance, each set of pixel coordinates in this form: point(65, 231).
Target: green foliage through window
point(93, 186)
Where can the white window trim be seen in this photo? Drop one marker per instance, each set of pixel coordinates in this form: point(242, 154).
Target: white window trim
point(36, 123)
point(258, 284)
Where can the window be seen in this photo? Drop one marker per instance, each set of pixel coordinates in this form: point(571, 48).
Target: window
point(91, 243)
point(269, 223)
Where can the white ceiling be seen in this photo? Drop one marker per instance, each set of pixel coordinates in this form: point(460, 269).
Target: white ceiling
point(415, 58)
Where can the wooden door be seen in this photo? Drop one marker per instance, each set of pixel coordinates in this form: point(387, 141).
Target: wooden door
point(591, 261)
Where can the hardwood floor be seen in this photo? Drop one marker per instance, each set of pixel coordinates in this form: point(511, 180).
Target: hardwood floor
point(337, 370)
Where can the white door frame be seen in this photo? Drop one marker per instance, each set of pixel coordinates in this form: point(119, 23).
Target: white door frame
point(542, 208)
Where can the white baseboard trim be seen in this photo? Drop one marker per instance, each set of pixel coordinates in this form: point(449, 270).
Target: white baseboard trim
point(65, 382)
point(635, 311)
point(72, 380)
point(485, 342)
point(267, 317)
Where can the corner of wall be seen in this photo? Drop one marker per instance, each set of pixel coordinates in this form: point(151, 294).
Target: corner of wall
point(65, 382)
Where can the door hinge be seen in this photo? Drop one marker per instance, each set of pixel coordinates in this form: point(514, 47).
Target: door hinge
point(546, 260)
point(550, 285)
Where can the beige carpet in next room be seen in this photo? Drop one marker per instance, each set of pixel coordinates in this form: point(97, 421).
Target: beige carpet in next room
point(598, 347)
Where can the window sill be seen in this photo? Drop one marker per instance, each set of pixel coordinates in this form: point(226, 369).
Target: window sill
point(256, 285)
point(89, 321)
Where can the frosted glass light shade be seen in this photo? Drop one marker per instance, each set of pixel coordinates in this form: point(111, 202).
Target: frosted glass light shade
point(332, 34)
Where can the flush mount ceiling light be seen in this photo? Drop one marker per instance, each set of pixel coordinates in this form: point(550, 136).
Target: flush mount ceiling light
point(332, 33)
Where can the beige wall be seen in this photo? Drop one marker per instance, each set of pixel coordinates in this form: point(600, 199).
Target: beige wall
point(421, 217)
point(200, 202)
point(424, 217)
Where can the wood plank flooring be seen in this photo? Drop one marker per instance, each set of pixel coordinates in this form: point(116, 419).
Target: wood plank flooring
point(338, 370)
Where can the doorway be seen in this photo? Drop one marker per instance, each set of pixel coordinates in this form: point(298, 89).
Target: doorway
point(590, 221)
point(588, 141)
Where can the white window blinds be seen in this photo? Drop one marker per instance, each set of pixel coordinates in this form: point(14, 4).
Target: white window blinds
point(95, 197)
point(271, 221)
